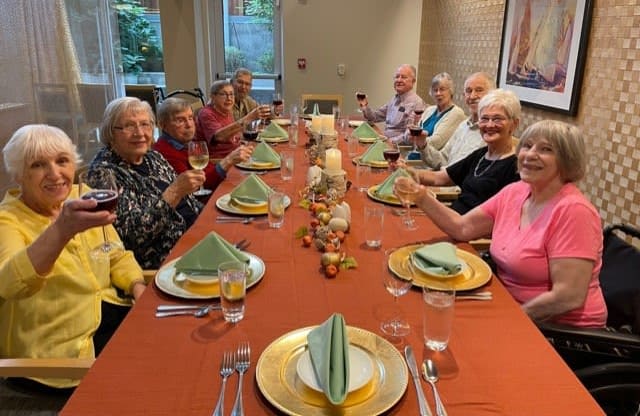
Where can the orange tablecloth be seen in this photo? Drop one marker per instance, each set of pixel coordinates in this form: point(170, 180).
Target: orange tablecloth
point(497, 362)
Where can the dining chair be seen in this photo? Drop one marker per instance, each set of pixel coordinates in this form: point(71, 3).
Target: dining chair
point(325, 102)
point(146, 92)
point(197, 93)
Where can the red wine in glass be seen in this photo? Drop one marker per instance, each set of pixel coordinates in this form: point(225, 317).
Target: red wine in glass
point(250, 135)
point(277, 102)
point(391, 155)
point(361, 96)
point(415, 131)
point(418, 111)
point(107, 199)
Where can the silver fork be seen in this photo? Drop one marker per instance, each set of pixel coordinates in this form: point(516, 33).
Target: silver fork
point(227, 366)
point(243, 355)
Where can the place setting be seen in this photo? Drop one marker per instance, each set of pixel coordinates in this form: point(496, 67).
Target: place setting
point(274, 133)
point(197, 274)
point(429, 265)
point(364, 132)
point(263, 158)
point(250, 198)
point(331, 369)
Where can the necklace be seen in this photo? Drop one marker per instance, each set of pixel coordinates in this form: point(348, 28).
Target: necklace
point(475, 171)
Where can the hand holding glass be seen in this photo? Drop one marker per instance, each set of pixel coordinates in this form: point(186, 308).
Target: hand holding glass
point(391, 154)
point(407, 192)
point(106, 192)
point(199, 159)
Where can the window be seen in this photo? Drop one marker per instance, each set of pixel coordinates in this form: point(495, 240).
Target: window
point(250, 37)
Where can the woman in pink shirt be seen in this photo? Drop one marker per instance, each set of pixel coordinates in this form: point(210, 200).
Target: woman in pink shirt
point(546, 236)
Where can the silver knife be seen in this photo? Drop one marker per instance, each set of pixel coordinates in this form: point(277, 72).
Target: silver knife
point(413, 368)
point(169, 308)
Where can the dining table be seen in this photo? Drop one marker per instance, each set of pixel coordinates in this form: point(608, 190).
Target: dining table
point(497, 362)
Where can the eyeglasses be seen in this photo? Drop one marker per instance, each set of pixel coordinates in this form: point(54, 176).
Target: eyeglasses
point(225, 94)
point(181, 121)
point(133, 127)
point(495, 120)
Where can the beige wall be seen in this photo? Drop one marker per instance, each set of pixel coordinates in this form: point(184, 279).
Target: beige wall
point(463, 36)
point(371, 37)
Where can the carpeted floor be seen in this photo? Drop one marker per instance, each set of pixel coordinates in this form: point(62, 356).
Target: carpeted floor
point(19, 401)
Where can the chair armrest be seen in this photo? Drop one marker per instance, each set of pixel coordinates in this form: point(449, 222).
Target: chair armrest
point(481, 244)
point(74, 368)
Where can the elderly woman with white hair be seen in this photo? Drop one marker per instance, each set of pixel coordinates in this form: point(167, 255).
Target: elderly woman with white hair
point(439, 121)
point(487, 170)
point(56, 301)
point(546, 236)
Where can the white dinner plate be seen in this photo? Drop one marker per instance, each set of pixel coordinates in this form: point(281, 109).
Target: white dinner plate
point(168, 282)
point(360, 369)
point(355, 123)
point(274, 139)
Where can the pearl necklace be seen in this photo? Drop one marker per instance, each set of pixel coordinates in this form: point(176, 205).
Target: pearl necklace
point(475, 171)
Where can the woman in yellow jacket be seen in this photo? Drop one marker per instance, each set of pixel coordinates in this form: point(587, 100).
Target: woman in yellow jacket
point(56, 299)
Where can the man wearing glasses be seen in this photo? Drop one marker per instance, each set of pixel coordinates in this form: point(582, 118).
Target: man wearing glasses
point(244, 105)
point(177, 129)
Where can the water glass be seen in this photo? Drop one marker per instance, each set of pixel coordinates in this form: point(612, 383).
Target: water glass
point(293, 135)
point(437, 315)
point(275, 209)
point(233, 288)
point(286, 165)
point(363, 177)
point(374, 225)
point(352, 146)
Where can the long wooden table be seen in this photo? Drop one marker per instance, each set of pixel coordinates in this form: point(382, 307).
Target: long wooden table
point(497, 362)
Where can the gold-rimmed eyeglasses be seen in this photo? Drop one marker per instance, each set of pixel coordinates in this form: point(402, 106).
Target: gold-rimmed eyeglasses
point(133, 127)
point(225, 94)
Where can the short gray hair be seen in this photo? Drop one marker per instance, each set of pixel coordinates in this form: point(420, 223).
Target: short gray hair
point(567, 142)
point(169, 107)
point(118, 107)
point(218, 85)
point(241, 71)
point(505, 99)
point(488, 79)
point(442, 78)
point(33, 141)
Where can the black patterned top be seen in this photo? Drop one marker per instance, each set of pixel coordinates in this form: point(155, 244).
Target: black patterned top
point(147, 224)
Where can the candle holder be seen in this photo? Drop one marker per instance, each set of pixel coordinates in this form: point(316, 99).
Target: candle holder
point(334, 180)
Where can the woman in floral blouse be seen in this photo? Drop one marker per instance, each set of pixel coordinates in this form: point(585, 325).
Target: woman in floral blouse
point(156, 206)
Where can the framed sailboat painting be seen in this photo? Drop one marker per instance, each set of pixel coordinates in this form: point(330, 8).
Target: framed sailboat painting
point(543, 51)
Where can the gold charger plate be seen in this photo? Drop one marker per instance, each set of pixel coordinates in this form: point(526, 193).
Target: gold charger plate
point(274, 139)
point(282, 121)
point(226, 204)
point(476, 274)
point(166, 281)
point(367, 139)
point(375, 164)
point(280, 384)
point(258, 166)
point(391, 199)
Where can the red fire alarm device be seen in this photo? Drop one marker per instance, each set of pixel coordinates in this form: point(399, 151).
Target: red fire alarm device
point(302, 63)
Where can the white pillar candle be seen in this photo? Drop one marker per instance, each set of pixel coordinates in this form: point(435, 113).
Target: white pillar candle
point(316, 123)
point(327, 124)
point(333, 159)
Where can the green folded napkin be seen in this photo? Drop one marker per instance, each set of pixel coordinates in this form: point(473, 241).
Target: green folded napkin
point(207, 254)
point(365, 131)
point(375, 152)
point(316, 110)
point(438, 258)
point(385, 189)
point(252, 189)
point(264, 153)
point(274, 130)
point(329, 350)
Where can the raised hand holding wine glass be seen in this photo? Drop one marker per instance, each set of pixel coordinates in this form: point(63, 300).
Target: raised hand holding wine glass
point(277, 104)
point(199, 159)
point(391, 154)
point(415, 131)
point(407, 192)
point(103, 188)
point(396, 326)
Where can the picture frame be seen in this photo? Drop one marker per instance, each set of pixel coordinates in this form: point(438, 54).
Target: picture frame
point(543, 52)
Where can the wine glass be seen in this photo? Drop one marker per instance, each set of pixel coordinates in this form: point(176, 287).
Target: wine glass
point(415, 130)
point(199, 159)
point(407, 193)
point(103, 188)
point(395, 326)
point(391, 154)
point(277, 103)
point(359, 97)
point(250, 132)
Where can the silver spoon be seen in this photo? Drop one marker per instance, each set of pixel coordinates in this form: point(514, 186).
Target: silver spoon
point(430, 373)
point(198, 313)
